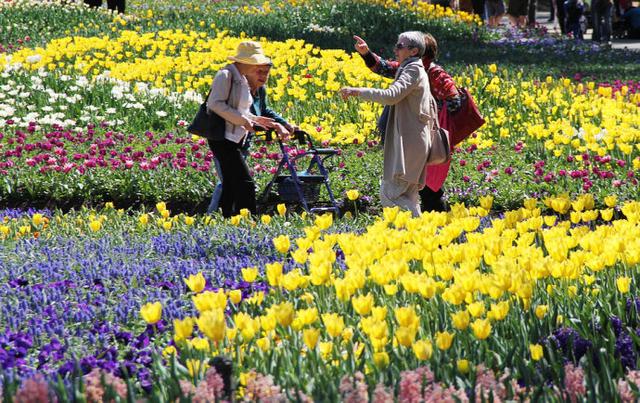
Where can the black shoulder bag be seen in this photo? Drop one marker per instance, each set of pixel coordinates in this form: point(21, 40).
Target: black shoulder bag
point(207, 123)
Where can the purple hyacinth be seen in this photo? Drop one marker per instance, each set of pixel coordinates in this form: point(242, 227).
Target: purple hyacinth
point(567, 339)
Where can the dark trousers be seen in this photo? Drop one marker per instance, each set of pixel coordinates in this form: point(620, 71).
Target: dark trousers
point(562, 16)
point(238, 188)
point(478, 8)
point(601, 14)
point(432, 201)
point(111, 4)
point(531, 12)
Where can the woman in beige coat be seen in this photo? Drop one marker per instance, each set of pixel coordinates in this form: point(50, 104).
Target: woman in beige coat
point(411, 118)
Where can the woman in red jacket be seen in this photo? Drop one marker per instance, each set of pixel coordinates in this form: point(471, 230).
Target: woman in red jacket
point(443, 89)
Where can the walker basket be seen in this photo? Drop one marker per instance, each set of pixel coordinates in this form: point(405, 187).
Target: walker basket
point(309, 185)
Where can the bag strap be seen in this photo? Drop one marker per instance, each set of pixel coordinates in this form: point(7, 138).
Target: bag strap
point(228, 95)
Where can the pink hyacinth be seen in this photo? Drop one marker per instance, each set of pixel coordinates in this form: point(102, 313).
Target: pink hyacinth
point(34, 390)
point(436, 393)
point(411, 384)
point(96, 381)
point(574, 387)
point(382, 395)
point(260, 388)
point(354, 389)
point(210, 389)
point(487, 384)
point(627, 395)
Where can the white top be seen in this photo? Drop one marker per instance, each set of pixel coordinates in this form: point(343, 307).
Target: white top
point(237, 133)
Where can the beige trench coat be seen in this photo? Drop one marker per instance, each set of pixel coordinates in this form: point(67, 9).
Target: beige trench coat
point(411, 118)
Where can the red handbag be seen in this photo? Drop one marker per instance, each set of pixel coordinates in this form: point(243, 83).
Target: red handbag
point(466, 120)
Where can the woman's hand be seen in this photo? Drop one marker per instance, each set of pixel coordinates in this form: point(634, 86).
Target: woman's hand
point(282, 131)
point(248, 125)
point(264, 122)
point(360, 45)
point(347, 92)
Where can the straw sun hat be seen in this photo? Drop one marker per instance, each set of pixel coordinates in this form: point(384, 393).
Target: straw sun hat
point(250, 52)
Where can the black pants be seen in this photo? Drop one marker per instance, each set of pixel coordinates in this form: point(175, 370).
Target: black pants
point(238, 188)
point(478, 8)
point(562, 17)
point(111, 4)
point(432, 201)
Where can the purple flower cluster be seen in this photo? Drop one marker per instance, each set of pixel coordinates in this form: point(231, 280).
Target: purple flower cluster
point(71, 305)
point(569, 341)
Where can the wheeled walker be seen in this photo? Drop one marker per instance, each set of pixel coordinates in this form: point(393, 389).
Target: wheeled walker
point(292, 186)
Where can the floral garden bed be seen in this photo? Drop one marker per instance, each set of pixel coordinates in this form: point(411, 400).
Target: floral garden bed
point(113, 285)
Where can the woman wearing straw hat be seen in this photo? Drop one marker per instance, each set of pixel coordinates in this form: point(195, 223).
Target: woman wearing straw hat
point(257, 79)
point(231, 98)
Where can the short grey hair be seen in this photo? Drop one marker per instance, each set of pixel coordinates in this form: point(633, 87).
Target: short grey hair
point(413, 39)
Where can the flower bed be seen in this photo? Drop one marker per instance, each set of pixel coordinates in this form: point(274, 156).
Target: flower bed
point(447, 290)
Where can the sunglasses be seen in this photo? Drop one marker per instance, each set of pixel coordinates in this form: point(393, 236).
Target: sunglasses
point(401, 46)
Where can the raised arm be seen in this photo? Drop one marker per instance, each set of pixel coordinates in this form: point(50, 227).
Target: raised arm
point(386, 68)
point(400, 88)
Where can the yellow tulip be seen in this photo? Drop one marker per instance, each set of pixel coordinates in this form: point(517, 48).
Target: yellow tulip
point(182, 328)
point(623, 284)
point(326, 349)
point(381, 359)
point(143, 219)
point(209, 300)
point(324, 221)
point(481, 328)
point(284, 313)
point(195, 282)
point(405, 335)
point(151, 312)
point(282, 209)
point(274, 273)
point(235, 296)
point(310, 337)
point(212, 324)
point(406, 316)
point(362, 304)
point(334, 324)
point(606, 214)
point(536, 351)
point(460, 320)
point(347, 334)
point(169, 351)
point(200, 344)
point(444, 340)
point(423, 349)
point(476, 309)
point(541, 311)
point(266, 219)
point(611, 201)
point(95, 225)
point(486, 202)
point(37, 219)
point(462, 366)
point(282, 243)
point(249, 274)
point(379, 312)
point(353, 194)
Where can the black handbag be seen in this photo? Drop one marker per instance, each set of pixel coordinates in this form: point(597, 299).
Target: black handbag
point(207, 123)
